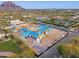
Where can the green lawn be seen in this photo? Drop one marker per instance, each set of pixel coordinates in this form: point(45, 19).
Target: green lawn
point(9, 46)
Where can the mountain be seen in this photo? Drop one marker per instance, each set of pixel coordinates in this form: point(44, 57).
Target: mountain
point(10, 6)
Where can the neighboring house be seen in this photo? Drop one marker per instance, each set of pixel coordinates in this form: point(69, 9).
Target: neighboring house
point(2, 35)
point(75, 27)
point(41, 18)
point(76, 17)
point(16, 22)
point(25, 16)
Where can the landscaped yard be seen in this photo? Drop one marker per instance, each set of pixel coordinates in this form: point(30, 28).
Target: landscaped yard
point(9, 46)
point(16, 46)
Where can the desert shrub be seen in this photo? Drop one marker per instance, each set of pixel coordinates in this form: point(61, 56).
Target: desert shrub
point(27, 53)
point(70, 49)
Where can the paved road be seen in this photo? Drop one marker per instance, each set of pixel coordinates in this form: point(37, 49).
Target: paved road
point(6, 53)
point(52, 52)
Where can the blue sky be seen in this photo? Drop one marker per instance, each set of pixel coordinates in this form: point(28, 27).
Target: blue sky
point(47, 4)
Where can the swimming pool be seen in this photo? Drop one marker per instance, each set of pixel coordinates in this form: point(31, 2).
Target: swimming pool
point(28, 33)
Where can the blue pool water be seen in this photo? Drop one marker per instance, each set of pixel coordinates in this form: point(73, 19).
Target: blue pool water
point(26, 32)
